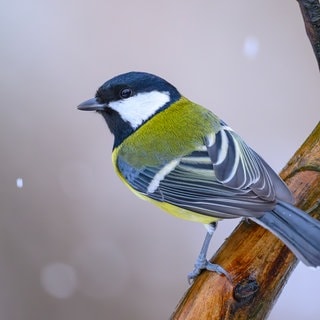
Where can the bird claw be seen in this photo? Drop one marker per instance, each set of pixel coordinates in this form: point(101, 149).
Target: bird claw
point(204, 264)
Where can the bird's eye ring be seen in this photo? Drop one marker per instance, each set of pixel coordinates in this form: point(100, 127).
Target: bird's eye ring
point(126, 93)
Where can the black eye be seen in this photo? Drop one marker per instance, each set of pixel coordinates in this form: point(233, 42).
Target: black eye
point(126, 93)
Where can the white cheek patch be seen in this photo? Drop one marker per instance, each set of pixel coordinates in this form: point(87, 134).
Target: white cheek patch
point(140, 107)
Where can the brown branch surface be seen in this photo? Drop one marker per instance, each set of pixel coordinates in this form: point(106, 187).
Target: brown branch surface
point(310, 10)
point(258, 262)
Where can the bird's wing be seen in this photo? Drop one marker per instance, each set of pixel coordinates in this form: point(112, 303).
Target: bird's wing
point(237, 166)
point(190, 183)
point(222, 177)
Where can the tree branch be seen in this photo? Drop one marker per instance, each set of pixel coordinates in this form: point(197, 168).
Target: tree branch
point(310, 10)
point(259, 263)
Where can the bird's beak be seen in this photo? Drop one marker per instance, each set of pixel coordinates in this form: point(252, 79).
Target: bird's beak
point(91, 105)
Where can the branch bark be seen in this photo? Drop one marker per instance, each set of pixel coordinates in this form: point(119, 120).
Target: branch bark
point(310, 10)
point(259, 263)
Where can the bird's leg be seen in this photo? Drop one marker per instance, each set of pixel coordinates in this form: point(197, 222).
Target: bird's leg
point(202, 262)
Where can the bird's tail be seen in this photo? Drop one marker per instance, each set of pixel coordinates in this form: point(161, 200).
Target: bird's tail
point(299, 231)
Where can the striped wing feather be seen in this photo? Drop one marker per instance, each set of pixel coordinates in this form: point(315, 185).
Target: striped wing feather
point(224, 179)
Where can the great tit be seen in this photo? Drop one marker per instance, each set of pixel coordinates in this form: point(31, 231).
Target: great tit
point(184, 159)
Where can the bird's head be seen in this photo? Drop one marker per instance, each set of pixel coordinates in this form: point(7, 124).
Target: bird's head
point(130, 99)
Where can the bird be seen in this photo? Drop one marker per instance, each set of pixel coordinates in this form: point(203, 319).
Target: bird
point(184, 159)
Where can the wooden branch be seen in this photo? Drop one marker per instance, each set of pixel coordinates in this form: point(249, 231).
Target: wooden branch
point(310, 10)
point(258, 262)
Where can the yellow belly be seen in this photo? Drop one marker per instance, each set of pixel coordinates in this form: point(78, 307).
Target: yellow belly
point(172, 209)
point(183, 213)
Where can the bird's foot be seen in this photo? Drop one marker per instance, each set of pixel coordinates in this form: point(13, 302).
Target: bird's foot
point(203, 264)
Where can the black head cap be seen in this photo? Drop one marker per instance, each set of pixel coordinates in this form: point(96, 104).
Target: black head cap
point(111, 97)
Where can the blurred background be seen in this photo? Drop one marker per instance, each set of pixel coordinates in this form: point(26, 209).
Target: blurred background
point(74, 242)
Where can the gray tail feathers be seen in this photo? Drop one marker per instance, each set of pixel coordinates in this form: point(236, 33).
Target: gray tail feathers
point(299, 231)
